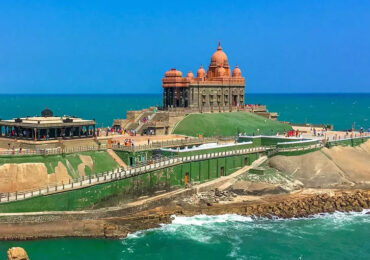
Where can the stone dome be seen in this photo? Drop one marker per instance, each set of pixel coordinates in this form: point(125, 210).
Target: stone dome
point(201, 72)
point(190, 75)
point(46, 113)
point(237, 72)
point(173, 73)
point(219, 58)
point(220, 72)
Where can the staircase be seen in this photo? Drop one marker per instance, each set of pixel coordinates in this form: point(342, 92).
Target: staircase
point(142, 125)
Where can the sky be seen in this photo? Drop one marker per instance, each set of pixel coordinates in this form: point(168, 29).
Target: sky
point(86, 47)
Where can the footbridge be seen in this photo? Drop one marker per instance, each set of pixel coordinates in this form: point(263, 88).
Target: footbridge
point(141, 169)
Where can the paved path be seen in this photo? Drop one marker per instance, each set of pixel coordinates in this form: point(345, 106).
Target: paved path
point(117, 159)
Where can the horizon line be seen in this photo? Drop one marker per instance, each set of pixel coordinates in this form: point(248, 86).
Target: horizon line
point(122, 93)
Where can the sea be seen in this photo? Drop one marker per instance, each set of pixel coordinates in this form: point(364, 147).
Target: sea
point(323, 236)
point(341, 110)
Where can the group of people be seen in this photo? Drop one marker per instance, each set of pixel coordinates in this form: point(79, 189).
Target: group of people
point(110, 131)
point(317, 132)
point(292, 133)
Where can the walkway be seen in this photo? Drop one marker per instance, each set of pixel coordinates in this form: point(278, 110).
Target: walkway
point(117, 159)
point(123, 174)
point(150, 166)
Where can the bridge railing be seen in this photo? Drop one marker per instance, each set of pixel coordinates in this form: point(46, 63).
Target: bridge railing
point(167, 143)
point(51, 151)
point(121, 173)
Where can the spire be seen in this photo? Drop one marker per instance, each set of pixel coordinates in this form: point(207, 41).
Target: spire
point(219, 45)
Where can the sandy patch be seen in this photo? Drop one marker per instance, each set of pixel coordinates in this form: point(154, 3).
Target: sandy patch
point(314, 170)
point(339, 166)
point(86, 161)
point(30, 176)
point(60, 174)
point(354, 162)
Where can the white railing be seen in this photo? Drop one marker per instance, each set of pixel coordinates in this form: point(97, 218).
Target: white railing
point(168, 143)
point(121, 173)
point(51, 151)
point(142, 168)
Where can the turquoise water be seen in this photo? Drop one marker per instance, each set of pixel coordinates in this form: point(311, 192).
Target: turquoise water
point(342, 110)
point(329, 236)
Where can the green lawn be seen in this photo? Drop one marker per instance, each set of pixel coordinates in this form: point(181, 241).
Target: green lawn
point(228, 124)
point(102, 161)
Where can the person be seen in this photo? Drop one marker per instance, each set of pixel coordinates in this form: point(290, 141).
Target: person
point(148, 141)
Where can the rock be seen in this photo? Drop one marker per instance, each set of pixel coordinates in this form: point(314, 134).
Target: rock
point(17, 253)
point(256, 188)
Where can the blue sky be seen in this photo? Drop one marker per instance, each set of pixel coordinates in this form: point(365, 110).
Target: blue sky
point(126, 46)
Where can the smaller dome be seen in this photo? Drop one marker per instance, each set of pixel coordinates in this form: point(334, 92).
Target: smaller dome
point(237, 72)
point(46, 112)
point(190, 75)
point(173, 73)
point(220, 72)
point(201, 72)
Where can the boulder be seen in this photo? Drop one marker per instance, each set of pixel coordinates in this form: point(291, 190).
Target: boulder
point(17, 253)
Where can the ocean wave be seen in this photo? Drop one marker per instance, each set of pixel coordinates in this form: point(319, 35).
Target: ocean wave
point(204, 228)
point(199, 220)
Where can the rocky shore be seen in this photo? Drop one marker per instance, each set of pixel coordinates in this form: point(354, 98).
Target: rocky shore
point(294, 205)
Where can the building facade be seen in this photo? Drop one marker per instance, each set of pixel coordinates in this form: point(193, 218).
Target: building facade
point(216, 89)
point(47, 127)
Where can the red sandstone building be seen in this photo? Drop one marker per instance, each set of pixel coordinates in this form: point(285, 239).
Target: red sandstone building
point(216, 89)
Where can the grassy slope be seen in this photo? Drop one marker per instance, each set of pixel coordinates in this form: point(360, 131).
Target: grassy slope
point(227, 124)
point(102, 161)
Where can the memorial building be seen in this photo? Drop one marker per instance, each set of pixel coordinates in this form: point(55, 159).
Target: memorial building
point(218, 88)
point(47, 127)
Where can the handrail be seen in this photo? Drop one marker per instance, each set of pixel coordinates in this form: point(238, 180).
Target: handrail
point(52, 151)
point(168, 143)
point(138, 169)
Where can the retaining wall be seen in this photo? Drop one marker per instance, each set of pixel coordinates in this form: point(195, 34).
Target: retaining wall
point(110, 193)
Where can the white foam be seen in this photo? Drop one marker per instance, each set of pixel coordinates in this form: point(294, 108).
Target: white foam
point(204, 228)
point(200, 220)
